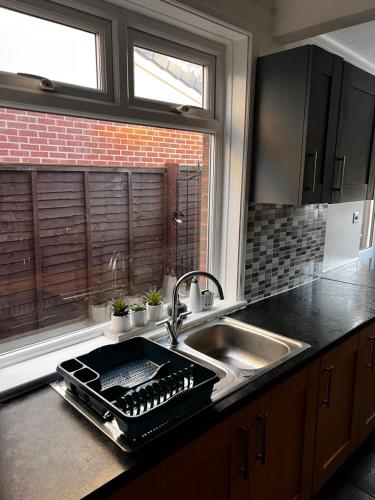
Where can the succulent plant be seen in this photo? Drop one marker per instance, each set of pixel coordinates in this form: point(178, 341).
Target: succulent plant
point(120, 307)
point(154, 297)
point(138, 307)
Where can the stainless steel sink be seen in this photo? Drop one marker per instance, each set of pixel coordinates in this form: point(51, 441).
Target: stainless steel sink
point(240, 345)
point(236, 351)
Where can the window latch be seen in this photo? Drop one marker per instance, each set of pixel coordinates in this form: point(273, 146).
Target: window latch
point(180, 109)
point(45, 83)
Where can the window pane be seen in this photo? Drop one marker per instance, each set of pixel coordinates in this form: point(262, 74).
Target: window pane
point(367, 225)
point(32, 45)
point(164, 78)
point(98, 218)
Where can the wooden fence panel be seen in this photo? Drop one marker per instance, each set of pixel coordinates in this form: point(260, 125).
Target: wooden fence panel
point(18, 303)
point(61, 234)
point(109, 231)
point(60, 227)
point(148, 233)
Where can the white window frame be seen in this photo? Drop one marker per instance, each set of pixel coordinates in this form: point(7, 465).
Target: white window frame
point(231, 124)
point(26, 90)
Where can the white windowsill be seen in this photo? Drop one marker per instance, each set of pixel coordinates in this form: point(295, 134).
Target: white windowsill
point(23, 376)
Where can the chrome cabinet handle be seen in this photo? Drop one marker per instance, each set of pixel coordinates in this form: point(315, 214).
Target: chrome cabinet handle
point(262, 454)
point(372, 362)
point(343, 160)
point(245, 463)
point(315, 155)
point(327, 401)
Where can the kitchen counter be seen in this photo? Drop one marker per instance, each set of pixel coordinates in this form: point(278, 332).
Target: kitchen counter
point(355, 273)
point(49, 451)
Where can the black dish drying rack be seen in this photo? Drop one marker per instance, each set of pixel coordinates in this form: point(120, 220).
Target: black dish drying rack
point(143, 386)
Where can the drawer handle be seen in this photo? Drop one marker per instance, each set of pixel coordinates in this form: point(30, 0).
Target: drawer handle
point(245, 463)
point(327, 401)
point(262, 454)
point(372, 362)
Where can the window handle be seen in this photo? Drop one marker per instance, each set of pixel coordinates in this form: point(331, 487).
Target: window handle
point(45, 83)
point(181, 109)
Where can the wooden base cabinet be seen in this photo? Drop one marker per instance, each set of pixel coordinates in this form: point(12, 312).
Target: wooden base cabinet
point(249, 443)
point(365, 396)
point(335, 432)
point(198, 471)
point(272, 442)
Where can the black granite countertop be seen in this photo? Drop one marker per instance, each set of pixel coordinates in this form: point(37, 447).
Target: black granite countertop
point(355, 273)
point(49, 451)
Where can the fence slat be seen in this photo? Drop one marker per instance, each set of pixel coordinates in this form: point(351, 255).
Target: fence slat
point(130, 234)
point(37, 249)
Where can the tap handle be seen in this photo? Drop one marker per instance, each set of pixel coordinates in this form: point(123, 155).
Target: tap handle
point(165, 321)
point(183, 315)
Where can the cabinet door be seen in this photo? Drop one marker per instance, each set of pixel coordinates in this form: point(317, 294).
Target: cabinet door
point(366, 383)
point(335, 434)
point(200, 470)
point(248, 464)
point(280, 126)
point(290, 436)
point(354, 163)
point(323, 112)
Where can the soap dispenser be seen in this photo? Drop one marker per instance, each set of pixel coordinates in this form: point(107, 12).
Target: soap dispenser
point(195, 296)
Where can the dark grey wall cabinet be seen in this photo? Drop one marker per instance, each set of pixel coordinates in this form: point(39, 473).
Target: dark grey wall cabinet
point(313, 129)
point(355, 163)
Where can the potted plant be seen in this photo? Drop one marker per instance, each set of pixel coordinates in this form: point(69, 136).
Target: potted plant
point(120, 316)
point(154, 304)
point(138, 314)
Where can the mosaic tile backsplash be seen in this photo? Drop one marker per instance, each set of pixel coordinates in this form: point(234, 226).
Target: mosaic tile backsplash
point(285, 247)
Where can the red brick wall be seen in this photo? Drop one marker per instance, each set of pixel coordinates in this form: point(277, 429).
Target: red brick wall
point(29, 137)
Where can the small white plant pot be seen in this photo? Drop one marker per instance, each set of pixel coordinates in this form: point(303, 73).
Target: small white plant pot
point(138, 318)
point(120, 324)
point(155, 313)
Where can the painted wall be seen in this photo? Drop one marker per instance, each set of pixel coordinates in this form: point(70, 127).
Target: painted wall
point(255, 16)
point(342, 236)
point(299, 19)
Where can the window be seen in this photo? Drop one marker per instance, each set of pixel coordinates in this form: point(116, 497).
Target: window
point(159, 77)
point(167, 76)
point(51, 53)
point(91, 210)
point(41, 47)
point(44, 145)
point(367, 230)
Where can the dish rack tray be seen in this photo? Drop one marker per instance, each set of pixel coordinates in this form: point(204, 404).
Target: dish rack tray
point(143, 386)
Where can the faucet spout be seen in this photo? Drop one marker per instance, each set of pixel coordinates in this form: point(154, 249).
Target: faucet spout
point(174, 326)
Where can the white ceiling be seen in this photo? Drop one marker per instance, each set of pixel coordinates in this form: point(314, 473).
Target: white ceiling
point(355, 44)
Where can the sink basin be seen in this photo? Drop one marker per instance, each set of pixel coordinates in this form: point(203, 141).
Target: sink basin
point(238, 352)
point(241, 346)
